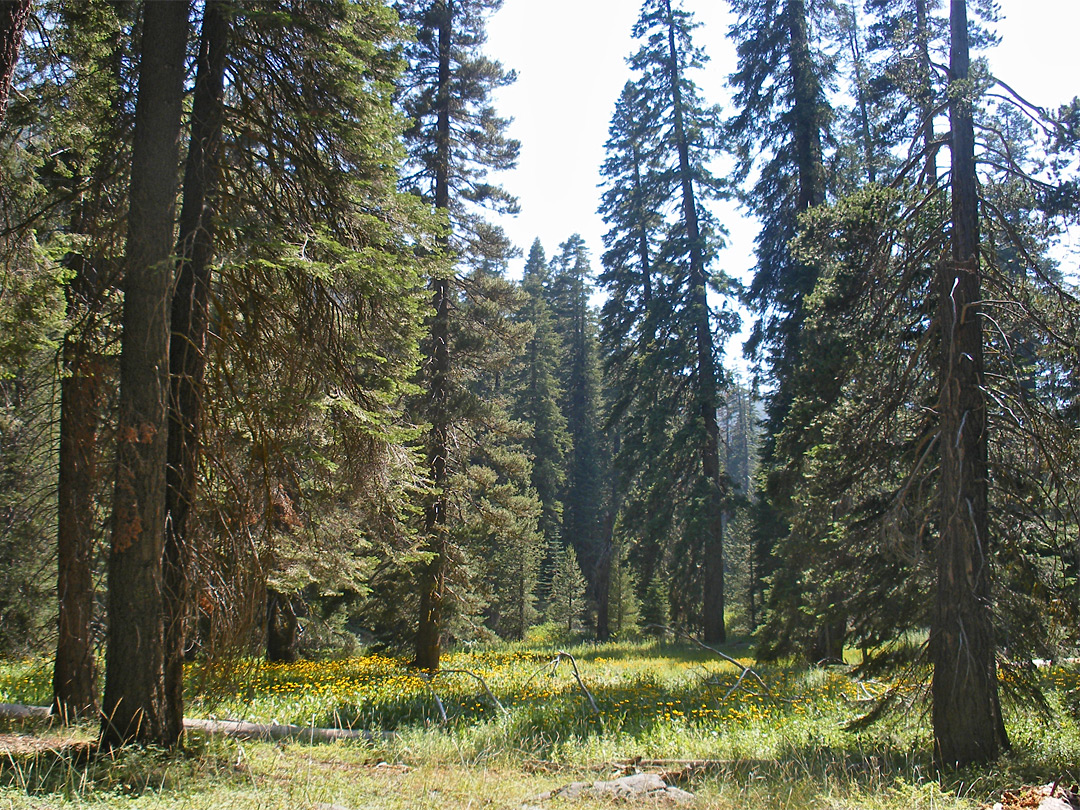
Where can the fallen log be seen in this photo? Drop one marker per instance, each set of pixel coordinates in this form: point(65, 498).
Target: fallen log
point(226, 728)
point(15, 711)
point(274, 731)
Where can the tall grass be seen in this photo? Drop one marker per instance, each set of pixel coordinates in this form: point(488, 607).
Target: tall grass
point(784, 746)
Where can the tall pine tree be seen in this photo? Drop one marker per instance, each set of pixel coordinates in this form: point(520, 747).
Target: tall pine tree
point(662, 353)
point(454, 140)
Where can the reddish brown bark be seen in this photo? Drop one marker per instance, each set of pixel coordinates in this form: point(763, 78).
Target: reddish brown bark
point(14, 15)
point(74, 671)
point(134, 708)
point(187, 352)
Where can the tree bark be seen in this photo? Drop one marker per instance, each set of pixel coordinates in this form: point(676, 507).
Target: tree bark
point(926, 99)
point(14, 15)
point(282, 627)
point(713, 626)
point(134, 707)
point(967, 719)
point(187, 351)
point(74, 671)
point(433, 575)
point(807, 106)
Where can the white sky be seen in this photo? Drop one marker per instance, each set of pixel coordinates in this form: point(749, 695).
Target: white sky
point(570, 59)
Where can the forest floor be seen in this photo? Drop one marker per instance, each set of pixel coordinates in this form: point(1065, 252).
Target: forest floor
point(513, 726)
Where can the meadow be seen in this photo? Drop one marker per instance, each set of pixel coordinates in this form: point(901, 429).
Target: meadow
point(501, 725)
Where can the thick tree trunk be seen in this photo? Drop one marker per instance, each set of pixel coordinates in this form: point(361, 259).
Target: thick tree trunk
point(81, 395)
point(187, 352)
point(713, 626)
point(134, 707)
point(967, 719)
point(14, 15)
point(74, 672)
point(433, 574)
point(282, 627)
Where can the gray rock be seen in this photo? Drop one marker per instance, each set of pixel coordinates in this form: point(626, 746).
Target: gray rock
point(625, 788)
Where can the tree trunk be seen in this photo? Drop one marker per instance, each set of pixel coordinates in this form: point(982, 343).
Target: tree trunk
point(967, 719)
point(926, 100)
point(134, 708)
point(807, 92)
point(713, 627)
point(433, 574)
point(74, 672)
point(602, 578)
point(187, 352)
point(282, 627)
point(14, 15)
point(81, 395)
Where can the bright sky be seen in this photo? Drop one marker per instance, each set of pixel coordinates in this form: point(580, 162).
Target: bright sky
point(570, 59)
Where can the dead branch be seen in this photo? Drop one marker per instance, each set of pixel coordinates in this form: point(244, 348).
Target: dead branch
point(559, 656)
point(483, 683)
point(274, 731)
point(744, 670)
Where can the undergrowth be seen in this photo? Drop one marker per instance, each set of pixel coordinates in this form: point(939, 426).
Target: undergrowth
point(734, 743)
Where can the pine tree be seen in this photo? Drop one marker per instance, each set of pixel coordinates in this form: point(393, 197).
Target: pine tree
point(318, 284)
point(187, 348)
point(623, 603)
point(566, 603)
point(537, 401)
point(89, 143)
point(968, 722)
point(454, 139)
point(783, 113)
point(13, 18)
point(662, 137)
point(567, 293)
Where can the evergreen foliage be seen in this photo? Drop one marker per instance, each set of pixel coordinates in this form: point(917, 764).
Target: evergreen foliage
point(658, 326)
point(360, 427)
point(454, 139)
point(537, 401)
point(566, 603)
point(574, 320)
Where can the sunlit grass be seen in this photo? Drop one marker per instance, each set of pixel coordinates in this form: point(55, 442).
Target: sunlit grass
point(784, 745)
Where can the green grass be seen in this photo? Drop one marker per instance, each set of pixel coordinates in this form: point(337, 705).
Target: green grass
point(781, 748)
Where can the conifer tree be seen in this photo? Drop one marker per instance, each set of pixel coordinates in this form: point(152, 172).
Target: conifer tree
point(135, 706)
point(568, 292)
point(14, 15)
point(783, 113)
point(88, 138)
point(538, 398)
point(187, 347)
point(318, 284)
point(661, 139)
point(624, 605)
point(566, 603)
point(455, 138)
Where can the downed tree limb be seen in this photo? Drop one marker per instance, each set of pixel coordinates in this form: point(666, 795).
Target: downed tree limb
point(274, 731)
point(15, 711)
point(483, 683)
point(745, 670)
point(227, 728)
point(559, 656)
